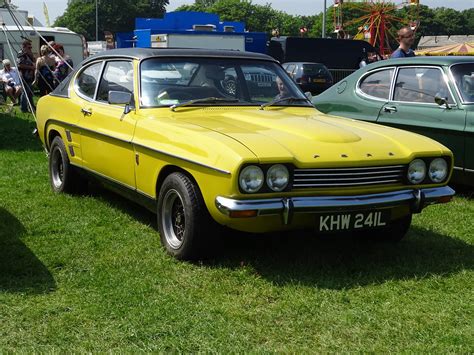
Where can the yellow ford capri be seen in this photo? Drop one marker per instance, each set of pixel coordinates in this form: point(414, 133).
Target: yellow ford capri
point(222, 138)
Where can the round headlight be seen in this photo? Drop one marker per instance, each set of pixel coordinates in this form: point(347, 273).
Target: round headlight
point(251, 178)
point(278, 177)
point(416, 171)
point(438, 170)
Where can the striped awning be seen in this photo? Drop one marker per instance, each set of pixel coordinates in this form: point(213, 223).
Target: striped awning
point(452, 49)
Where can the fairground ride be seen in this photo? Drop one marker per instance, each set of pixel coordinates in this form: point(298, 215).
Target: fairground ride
point(379, 21)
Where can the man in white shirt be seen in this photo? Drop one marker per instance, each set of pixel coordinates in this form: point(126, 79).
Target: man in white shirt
point(11, 79)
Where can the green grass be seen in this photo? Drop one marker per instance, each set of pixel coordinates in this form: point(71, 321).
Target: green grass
point(87, 273)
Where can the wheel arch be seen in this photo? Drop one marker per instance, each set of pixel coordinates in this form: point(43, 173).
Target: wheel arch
point(168, 170)
point(50, 135)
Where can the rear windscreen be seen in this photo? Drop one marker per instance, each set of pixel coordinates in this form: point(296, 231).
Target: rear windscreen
point(314, 69)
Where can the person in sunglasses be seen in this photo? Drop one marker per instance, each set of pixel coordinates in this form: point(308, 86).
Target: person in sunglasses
point(406, 38)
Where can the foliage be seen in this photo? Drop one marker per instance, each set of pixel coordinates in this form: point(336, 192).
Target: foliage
point(263, 18)
point(87, 274)
point(114, 15)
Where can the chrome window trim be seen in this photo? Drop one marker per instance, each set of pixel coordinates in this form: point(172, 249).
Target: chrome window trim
point(456, 86)
point(102, 74)
point(76, 87)
point(363, 94)
point(434, 104)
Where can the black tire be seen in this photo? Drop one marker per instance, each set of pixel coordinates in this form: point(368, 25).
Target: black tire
point(64, 178)
point(185, 226)
point(393, 233)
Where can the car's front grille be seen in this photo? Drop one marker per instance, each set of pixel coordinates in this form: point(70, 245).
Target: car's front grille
point(347, 177)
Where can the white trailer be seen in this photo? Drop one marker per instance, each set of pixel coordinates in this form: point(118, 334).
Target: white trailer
point(72, 42)
point(201, 40)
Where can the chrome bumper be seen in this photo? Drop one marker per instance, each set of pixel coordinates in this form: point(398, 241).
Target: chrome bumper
point(416, 199)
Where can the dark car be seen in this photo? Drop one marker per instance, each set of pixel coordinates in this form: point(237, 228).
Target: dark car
point(432, 96)
point(312, 77)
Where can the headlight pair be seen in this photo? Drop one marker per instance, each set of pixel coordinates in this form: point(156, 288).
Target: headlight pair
point(252, 178)
point(437, 171)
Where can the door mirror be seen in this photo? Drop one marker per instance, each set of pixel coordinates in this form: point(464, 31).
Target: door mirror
point(308, 95)
point(442, 101)
point(121, 98)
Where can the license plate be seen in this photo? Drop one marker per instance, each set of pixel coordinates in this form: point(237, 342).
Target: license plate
point(338, 222)
point(319, 80)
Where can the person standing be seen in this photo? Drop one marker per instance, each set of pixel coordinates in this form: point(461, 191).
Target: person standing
point(26, 67)
point(44, 75)
point(406, 38)
point(63, 63)
point(10, 77)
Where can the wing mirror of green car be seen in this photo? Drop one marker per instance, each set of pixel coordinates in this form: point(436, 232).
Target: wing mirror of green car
point(442, 101)
point(121, 98)
point(308, 95)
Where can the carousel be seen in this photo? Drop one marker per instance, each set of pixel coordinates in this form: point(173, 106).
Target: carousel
point(379, 20)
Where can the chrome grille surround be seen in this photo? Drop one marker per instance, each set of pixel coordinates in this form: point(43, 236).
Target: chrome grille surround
point(349, 177)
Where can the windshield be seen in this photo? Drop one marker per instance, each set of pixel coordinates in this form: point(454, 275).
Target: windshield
point(464, 79)
point(169, 81)
point(314, 69)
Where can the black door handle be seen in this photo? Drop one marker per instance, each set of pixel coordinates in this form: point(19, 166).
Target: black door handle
point(390, 109)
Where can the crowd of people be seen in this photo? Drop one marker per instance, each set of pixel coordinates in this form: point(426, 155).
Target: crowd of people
point(44, 73)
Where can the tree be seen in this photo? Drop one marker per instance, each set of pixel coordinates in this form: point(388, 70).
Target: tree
point(114, 15)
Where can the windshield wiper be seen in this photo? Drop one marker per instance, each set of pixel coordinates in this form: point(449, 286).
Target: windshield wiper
point(203, 100)
point(290, 98)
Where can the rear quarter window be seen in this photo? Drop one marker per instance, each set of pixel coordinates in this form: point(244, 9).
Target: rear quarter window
point(377, 84)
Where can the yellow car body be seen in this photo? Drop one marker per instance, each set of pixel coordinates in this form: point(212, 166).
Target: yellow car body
point(137, 149)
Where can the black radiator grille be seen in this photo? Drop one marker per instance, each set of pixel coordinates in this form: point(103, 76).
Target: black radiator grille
point(346, 177)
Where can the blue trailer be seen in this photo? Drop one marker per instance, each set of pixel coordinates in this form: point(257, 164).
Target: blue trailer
point(192, 30)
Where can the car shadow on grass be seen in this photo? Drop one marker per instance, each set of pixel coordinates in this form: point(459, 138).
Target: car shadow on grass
point(343, 261)
point(16, 133)
point(20, 270)
point(325, 261)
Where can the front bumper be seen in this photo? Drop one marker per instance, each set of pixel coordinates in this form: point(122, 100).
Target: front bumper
point(416, 199)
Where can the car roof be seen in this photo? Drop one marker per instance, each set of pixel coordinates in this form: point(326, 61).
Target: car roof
point(144, 53)
point(423, 60)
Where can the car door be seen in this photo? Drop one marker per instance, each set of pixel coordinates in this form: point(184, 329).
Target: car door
point(106, 131)
point(413, 108)
point(462, 76)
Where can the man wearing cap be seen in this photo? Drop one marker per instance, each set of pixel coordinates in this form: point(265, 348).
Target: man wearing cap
point(11, 79)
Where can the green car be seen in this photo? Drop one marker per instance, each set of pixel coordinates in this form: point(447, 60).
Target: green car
point(432, 96)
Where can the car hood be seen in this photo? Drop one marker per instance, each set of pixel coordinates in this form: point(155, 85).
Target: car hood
point(307, 136)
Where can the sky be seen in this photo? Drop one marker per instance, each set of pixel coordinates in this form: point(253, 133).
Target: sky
point(304, 7)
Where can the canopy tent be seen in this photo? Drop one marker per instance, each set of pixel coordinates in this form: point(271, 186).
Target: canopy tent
point(466, 48)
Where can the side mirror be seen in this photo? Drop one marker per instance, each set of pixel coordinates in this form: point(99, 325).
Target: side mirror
point(442, 101)
point(121, 98)
point(308, 95)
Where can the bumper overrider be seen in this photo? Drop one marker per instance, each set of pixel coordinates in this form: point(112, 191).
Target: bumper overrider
point(416, 199)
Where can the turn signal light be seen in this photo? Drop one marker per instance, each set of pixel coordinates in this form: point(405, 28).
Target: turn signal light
point(445, 199)
point(243, 214)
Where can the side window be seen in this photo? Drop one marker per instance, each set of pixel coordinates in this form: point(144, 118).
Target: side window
point(86, 81)
point(118, 76)
point(377, 84)
point(421, 85)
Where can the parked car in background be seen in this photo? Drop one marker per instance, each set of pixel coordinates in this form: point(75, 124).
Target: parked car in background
point(432, 96)
point(200, 156)
point(312, 77)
